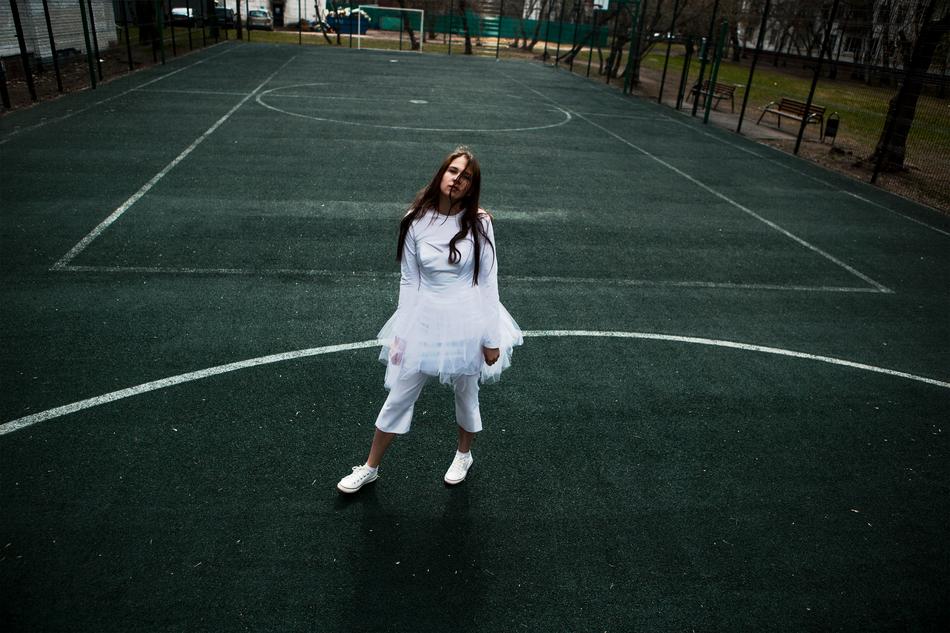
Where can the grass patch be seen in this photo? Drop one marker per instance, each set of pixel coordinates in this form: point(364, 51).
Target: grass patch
point(862, 108)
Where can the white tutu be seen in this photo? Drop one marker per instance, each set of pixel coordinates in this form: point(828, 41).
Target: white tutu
point(443, 337)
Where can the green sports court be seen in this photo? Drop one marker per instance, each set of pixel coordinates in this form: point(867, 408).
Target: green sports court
point(730, 412)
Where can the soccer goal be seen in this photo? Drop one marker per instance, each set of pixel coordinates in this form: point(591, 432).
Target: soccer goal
point(407, 22)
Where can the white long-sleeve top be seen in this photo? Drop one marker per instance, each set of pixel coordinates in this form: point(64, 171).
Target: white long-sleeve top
point(426, 270)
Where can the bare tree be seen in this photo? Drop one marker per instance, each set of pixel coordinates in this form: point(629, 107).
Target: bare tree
point(333, 8)
point(407, 25)
point(321, 23)
point(463, 8)
point(529, 7)
point(891, 148)
point(599, 19)
point(536, 36)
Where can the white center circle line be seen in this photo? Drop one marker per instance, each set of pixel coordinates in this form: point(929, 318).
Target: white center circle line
point(29, 420)
point(274, 93)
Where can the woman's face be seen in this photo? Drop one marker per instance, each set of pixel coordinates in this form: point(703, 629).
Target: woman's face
point(457, 179)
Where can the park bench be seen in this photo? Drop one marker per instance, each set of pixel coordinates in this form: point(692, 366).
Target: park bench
point(719, 92)
point(793, 109)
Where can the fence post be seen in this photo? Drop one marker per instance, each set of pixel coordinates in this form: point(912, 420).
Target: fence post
point(204, 29)
point(95, 40)
point(612, 39)
point(634, 47)
point(171, 27)
point(349, 19)
point(160, 27)
point(669, 45)
point(188, 23)
point(299, 25)
point(560, 32)
point(85, 33)
point(594, 36)
point(704, 55)
point(222, 23)
point(814, 81)
point(52, 47)
point(714, 75)
point(239, 20)
point(501, 18)
point(24, 54)
point(576, 14)
point(4, 94)
point(451, 19)
point(687, 61)
point(755, 60)
point(547, 34)
point(125, 27)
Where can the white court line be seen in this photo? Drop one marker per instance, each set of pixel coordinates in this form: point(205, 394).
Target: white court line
point(451, 100)
point(107, 99)
point(906, 217)
point(769, 223)
point(185, 270)
point(193, 92)
point(96, 232)
point(345, 274)
point(406, 99)
point(260, 100)
point(713, 136)
point(778, 161)
point(29, 420)
point(636, 117)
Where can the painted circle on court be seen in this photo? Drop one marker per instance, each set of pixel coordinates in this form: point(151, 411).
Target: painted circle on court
point(312, 101)
point(171, 381)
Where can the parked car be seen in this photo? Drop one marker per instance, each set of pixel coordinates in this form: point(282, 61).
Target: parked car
point(260, 19)
point(183, 17)
point(225, 17)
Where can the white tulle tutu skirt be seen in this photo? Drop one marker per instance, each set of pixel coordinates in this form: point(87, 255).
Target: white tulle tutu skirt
point(443, 337)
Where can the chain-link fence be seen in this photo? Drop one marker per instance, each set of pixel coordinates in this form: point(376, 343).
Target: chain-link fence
point(859, 85)
point(48, 47)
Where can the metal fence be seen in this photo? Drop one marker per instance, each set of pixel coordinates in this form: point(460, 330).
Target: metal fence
point(859, 86)
point(48, 47)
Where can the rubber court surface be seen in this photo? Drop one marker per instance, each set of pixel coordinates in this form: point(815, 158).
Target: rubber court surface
point(731, 413)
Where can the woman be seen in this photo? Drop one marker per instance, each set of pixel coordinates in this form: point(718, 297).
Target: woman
point(449, 322)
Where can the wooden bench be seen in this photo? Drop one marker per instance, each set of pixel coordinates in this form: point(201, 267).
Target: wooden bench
point(793, 109)
point(720, 92)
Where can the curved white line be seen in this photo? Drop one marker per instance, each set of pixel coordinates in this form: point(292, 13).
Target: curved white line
point(743, 346)
point(29, 420)
point(259, 99)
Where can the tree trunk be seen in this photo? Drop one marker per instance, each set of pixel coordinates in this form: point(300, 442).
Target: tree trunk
point(892, 146)
point(529, 46)
point(407, 25)
point(463, 6)
point(316, 5)
point(594, 26)
point(333, 8)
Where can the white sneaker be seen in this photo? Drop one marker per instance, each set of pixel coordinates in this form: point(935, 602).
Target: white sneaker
point(360, 476)
point(459, 469)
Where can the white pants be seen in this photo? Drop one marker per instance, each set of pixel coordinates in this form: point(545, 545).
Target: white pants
point(396, 414)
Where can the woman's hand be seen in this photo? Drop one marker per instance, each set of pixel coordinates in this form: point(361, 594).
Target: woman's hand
point(395, 352)
point(491, 355)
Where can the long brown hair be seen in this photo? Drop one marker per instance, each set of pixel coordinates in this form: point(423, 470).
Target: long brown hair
point(428, 198)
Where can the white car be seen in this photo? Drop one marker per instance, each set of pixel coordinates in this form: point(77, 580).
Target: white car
point(260, 19)
point(181, 15)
